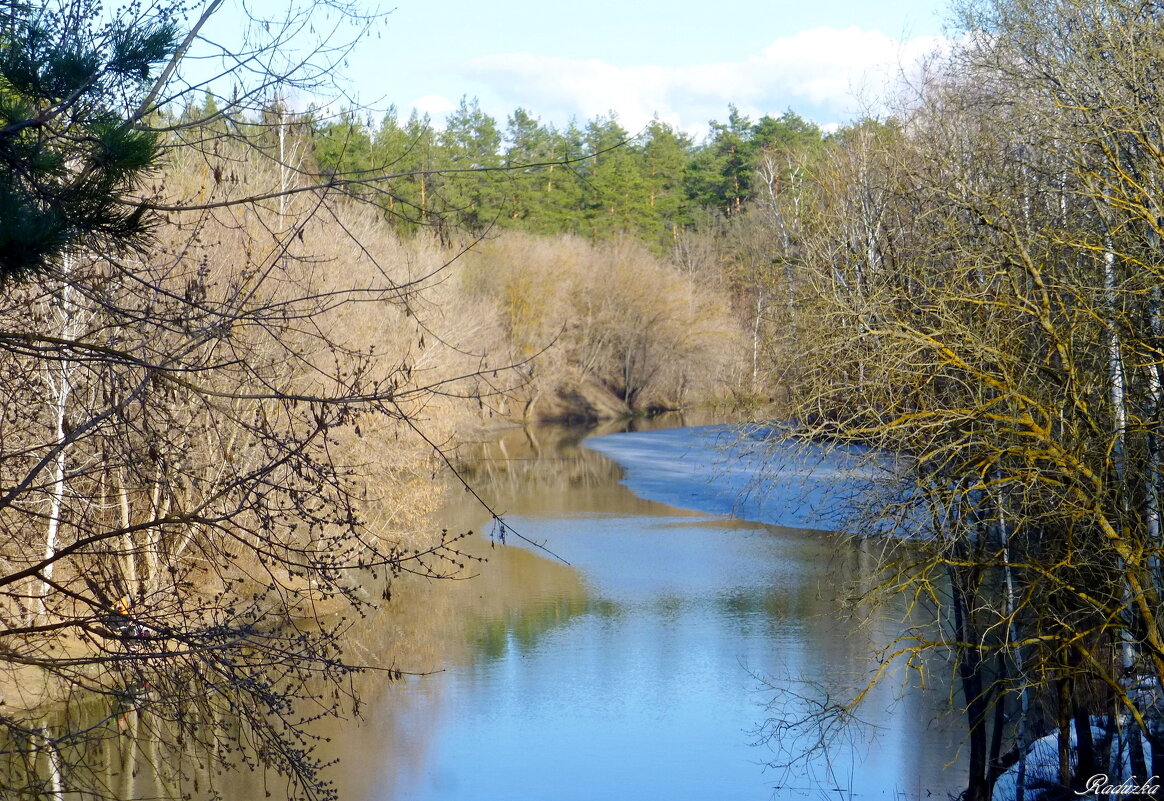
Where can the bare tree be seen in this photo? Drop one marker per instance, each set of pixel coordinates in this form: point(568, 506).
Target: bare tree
point(186, 529)
point(985, 303)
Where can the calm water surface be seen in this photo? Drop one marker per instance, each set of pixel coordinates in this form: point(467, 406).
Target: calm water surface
point(649, 667)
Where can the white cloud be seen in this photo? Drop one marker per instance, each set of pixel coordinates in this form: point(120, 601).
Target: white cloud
point(436, 105)
point(833, 68)
point(825, 74)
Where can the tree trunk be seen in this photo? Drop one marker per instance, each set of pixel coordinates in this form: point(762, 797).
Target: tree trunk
point(970, 675)
point(59, 378)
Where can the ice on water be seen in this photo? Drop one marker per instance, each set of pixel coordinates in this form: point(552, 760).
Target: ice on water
point(748, 473)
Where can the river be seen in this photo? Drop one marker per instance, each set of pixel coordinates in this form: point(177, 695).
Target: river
point(663, 662)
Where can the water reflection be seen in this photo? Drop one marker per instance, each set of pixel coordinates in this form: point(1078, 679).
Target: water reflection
point(524, 629)
point(647, 685)
point(636, 672)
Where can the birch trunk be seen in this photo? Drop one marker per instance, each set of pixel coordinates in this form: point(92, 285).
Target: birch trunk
point(58, 376)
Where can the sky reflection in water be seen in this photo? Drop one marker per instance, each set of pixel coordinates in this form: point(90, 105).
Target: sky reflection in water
point(646, 688)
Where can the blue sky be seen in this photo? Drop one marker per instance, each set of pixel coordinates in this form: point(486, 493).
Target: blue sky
point(682, 60)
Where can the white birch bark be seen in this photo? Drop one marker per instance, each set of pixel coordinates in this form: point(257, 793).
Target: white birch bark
point(59, 380)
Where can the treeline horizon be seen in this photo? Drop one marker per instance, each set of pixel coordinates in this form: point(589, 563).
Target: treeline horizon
point(595, 179)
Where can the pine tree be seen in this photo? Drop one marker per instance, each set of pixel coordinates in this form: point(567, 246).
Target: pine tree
point(472, 141)
point(542, 196)
point(616, 196)
point(343, 147)
point(665, 157)
point(720, 174)
point(71, 149)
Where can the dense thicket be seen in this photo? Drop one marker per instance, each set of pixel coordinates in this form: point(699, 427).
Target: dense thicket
point(189, 515)
point(979, 289)
point(714, 210)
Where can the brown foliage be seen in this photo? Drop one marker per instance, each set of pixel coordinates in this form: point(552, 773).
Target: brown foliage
point(609, 313)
